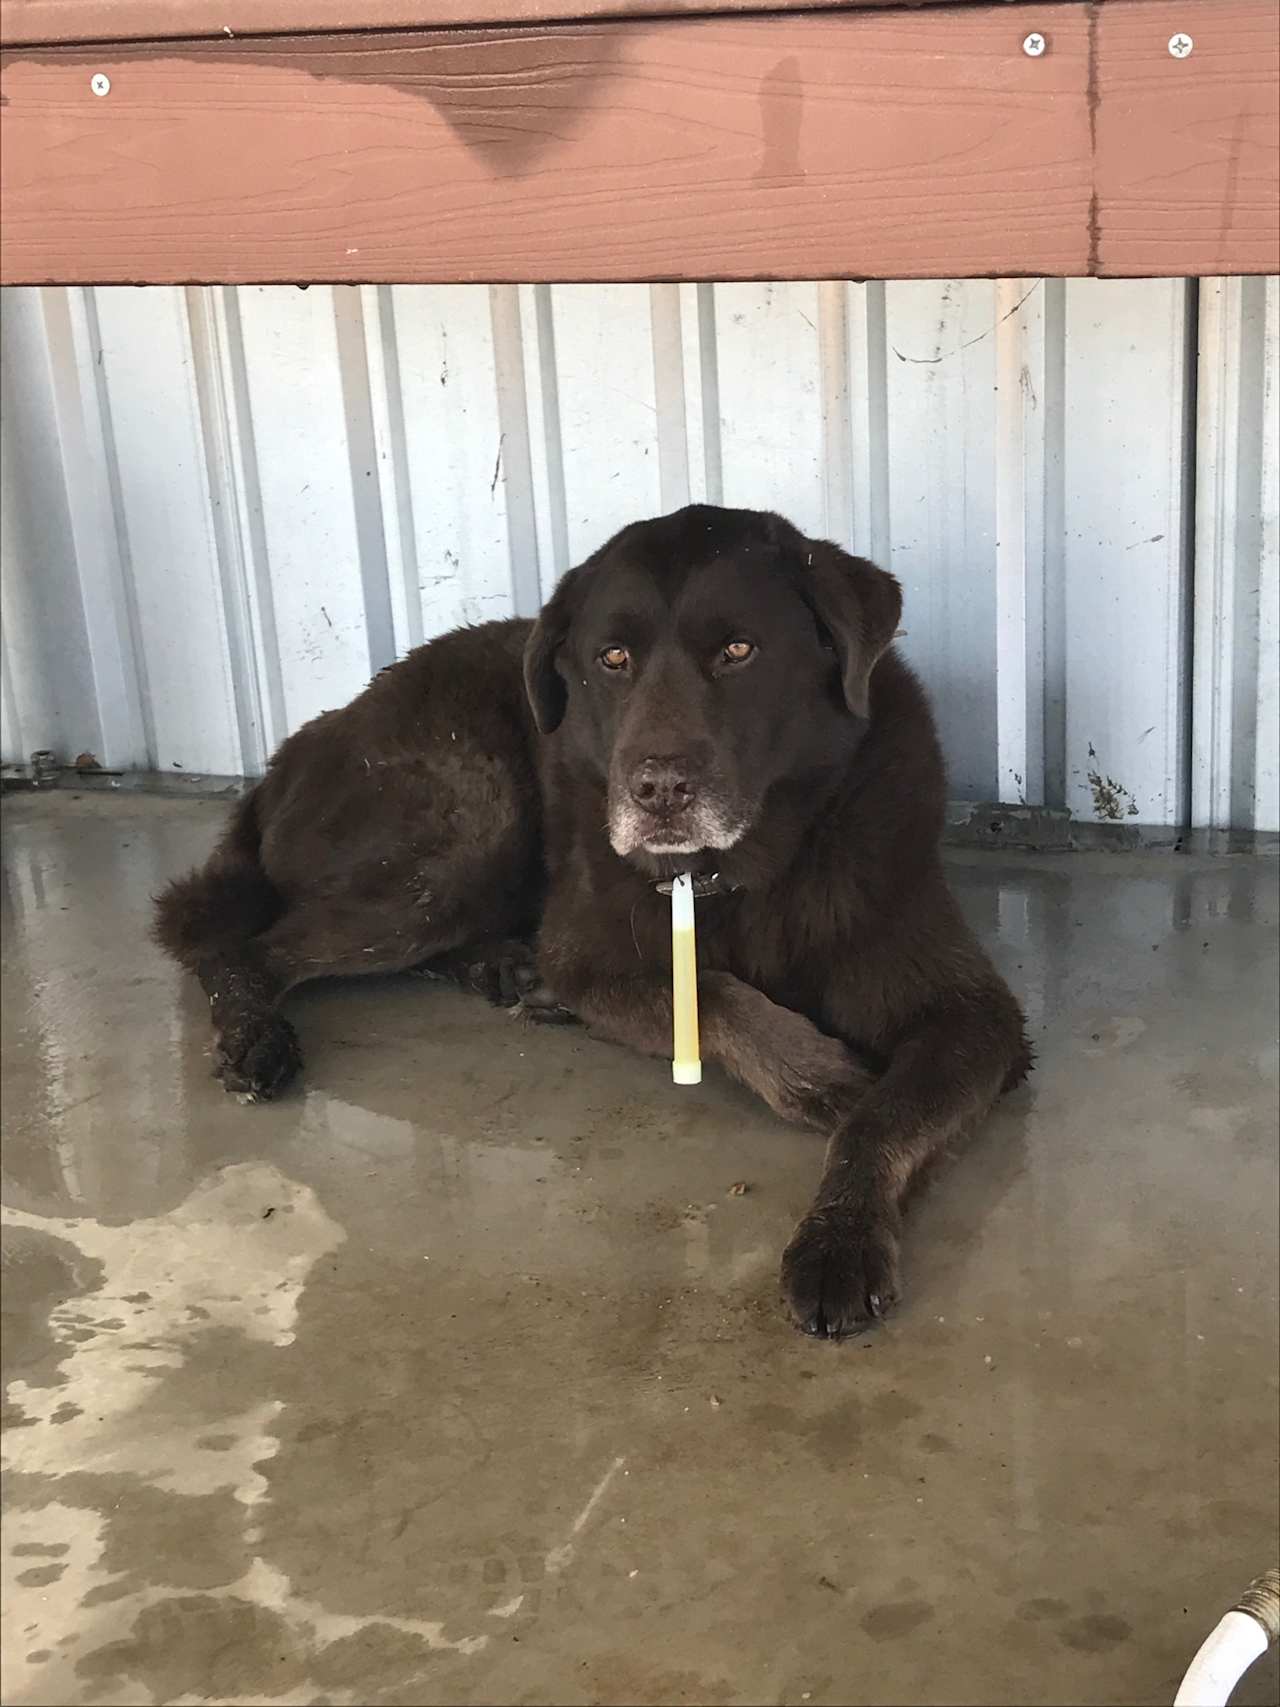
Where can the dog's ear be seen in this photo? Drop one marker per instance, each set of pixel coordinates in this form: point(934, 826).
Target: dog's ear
point(859, 606)
point(543, 683)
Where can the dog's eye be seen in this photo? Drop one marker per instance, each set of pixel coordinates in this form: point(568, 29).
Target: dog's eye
point(738, 651)
point(615, 657)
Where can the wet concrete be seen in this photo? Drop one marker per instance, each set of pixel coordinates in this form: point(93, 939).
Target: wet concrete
point(459, 1375)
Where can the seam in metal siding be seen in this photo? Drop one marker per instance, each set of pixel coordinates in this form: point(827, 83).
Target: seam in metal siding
point(1235, 775)
point(225, 508)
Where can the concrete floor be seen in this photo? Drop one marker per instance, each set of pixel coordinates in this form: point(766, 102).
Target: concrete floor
point(459, 1375)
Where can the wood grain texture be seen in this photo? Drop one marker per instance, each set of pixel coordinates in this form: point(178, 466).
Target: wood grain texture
point(857, 144)
point(889, 144)
point(26, 22)
point(1188, 150)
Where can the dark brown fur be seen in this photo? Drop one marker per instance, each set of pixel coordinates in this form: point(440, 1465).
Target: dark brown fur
point(402, 831)
point(838, 980)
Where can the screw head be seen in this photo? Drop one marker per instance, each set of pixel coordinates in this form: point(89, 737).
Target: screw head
point(1034, 45)
point(1180, 45)
point(100, 83)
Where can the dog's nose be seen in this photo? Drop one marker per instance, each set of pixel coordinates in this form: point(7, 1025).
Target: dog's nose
point(663, 785)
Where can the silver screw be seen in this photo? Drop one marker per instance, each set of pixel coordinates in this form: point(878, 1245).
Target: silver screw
point(1180, 45)
point(100, 83)
point(1033, 46)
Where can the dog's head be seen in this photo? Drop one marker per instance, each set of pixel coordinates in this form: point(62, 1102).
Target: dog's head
point(696, 660)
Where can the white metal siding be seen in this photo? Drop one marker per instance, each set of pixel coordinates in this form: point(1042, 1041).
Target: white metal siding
point(223, 509)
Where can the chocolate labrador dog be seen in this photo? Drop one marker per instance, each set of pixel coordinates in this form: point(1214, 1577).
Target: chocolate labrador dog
point(711, 692)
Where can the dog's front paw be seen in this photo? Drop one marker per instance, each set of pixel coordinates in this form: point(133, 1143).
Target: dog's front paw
point(499, 970)
point(539, 1007)
point(256, 1057)
point(840, 1270)
point(538, 1003)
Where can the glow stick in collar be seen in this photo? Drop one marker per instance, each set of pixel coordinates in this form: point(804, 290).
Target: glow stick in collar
point(686, 1065)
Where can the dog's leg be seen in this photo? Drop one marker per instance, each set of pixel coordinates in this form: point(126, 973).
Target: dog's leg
point(803, 1075)
point(211, 921)
point(255, 1049)
point(841, 1268)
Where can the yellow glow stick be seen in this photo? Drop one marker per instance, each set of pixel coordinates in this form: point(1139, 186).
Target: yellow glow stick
point(686, 1065)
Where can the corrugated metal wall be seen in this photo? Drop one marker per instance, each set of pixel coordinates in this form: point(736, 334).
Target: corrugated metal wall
point(223, 509)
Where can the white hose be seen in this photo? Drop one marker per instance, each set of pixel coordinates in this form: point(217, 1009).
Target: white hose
point(1242, 1636)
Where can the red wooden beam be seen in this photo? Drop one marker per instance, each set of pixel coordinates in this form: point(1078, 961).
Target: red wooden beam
point(888, 143)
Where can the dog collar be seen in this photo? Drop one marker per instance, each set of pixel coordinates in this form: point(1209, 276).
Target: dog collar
point(708, 883)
